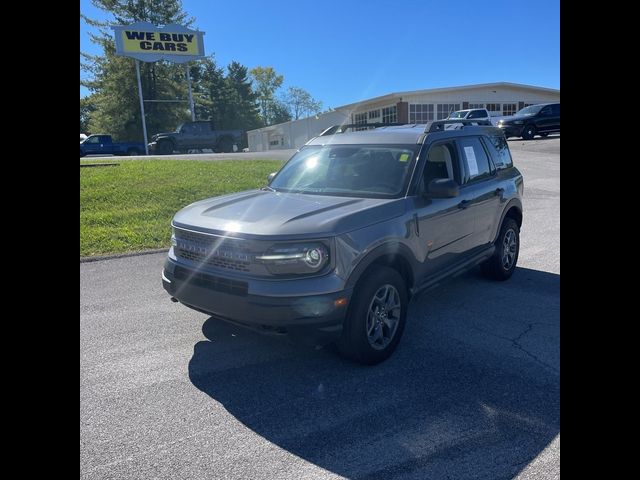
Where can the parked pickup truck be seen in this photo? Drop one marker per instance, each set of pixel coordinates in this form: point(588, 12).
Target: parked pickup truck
point(103, 144)
point(199, 135)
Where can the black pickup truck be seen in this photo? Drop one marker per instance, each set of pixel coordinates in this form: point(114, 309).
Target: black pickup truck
point(199, 135)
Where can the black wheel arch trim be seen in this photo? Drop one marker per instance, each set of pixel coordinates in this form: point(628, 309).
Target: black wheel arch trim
point(386, 249)
point(514, 202)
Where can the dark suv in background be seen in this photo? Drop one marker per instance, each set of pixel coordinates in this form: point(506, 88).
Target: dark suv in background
point(350, 228)
point(541, 119)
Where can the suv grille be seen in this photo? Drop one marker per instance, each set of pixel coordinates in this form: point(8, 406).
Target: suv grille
point(211, 250)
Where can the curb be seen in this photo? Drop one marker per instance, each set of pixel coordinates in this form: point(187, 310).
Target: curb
point(122, 255)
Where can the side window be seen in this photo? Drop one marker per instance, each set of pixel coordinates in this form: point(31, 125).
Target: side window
point(93, 140)
point(546, 111)
point(499, 151)
point(442, 162)
point(555, 109)
point(104, 139)
point(477, 114)
point(474, 159)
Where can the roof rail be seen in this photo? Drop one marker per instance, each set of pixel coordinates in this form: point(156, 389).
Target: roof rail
point(439, 125)
point(342, 128)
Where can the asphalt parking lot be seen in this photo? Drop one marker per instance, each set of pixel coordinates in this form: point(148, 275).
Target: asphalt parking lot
point(472, 392)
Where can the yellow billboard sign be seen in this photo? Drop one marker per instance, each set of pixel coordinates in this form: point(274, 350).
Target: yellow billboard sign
point(149, 43)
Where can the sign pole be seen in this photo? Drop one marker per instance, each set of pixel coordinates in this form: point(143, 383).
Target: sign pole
point(193, 112)
point(144, 121)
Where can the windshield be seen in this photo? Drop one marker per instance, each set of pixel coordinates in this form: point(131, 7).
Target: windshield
point(457, 114)
point(372, 171)
point(530, 110)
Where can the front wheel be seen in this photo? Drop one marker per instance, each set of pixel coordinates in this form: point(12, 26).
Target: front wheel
point(376, 317)
point(503, 262)
point(165, 148)
point(529, 132)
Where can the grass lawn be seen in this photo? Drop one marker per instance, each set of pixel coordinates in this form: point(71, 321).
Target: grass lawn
point(129, 207)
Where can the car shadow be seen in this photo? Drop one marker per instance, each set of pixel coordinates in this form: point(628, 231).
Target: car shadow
point(472, 391)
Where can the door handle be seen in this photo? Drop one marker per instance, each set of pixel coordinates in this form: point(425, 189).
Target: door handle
point(464, 204)
point(499, 191)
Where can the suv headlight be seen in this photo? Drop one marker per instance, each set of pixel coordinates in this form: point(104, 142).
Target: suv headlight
point(295, 259)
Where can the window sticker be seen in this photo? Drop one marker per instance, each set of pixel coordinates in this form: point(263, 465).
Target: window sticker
point(404, 157)
point(471, 161)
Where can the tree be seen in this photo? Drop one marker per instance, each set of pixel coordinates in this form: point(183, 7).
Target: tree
point(300, 102)
point(279, 113)
point(267, 81)
point(112, 78)
point(244, 112)
point(86, 108)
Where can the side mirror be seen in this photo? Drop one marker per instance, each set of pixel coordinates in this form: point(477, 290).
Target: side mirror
point(442, 188)
point(270, 176)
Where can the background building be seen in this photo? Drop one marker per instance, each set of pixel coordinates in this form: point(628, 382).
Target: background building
point(419, 106)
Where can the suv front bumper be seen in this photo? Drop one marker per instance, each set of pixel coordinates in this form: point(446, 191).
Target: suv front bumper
point(511, 130)
point(229, 298)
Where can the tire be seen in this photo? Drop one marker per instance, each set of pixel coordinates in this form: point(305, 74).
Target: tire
point(370, 333)
point(165, 148)
point(133, 151)
point(225, 145)
point(544, 135)
point(529, 131)
point(503, 262)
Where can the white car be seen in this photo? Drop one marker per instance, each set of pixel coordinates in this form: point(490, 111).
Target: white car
point(471, 114)
point(83, 137)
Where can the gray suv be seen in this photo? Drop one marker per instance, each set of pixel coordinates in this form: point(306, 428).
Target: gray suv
point(350, 229)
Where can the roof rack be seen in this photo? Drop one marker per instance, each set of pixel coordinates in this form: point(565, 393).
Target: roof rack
point(365, 126)
point(439, 125)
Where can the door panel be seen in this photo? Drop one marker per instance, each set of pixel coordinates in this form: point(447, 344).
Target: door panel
point(479, 188)
point(445, 225)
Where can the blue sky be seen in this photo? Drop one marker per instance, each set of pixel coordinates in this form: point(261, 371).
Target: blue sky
point(349, 50)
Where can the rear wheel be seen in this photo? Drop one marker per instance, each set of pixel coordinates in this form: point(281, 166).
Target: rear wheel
point(503, 262)
point(165, 148)
point(225, 145)
point(376, 317)
point(529, 132)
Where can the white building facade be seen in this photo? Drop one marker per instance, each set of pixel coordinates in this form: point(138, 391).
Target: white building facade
point(419, 106)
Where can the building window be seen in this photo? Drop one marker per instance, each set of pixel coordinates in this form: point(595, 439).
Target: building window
point(444, 109)
point(420, 113)
point(389, 115)
point(476, 105)
point(493, 107)
point(360, 119)
point(509, 108)
point(273, 143)
point(374, 114)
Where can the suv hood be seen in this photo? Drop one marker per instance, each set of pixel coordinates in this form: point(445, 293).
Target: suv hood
point(266, 213)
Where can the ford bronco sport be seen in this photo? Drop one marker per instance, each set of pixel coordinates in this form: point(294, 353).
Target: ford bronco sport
point(349, 229)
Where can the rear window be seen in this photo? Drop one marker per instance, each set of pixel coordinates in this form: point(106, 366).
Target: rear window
point(500, 152)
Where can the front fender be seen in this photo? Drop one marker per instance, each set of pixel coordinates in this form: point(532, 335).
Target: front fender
point(392, 248)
